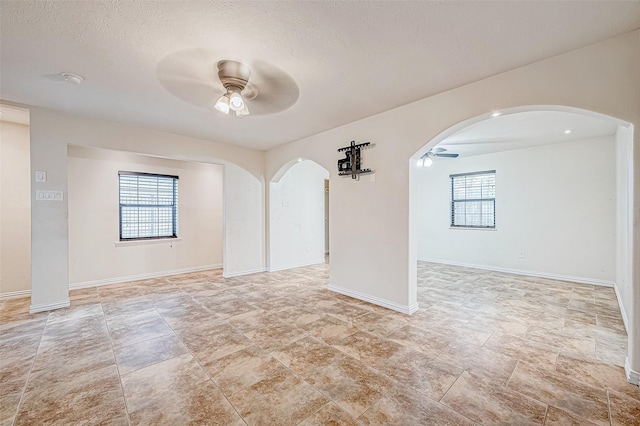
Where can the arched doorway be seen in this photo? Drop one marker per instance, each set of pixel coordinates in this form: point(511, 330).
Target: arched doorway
point(562, 206)
point(298, 218)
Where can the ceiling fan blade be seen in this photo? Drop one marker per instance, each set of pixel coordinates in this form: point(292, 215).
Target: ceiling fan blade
point(277, 91)
point(191, 75)
point(446, 155)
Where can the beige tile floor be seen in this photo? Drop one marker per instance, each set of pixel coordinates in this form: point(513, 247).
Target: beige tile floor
point(280, 349)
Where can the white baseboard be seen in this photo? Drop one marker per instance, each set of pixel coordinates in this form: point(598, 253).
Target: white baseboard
point(405, 309)
point(240, 273)
point(48, 306)
point(633, 377)
point(580, 280)
point(625, 320)
point(15, 294)
point(116, 280)
point(297, 265)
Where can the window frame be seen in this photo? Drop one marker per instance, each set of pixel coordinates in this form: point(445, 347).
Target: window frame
point(173, 205)
point(455, 201)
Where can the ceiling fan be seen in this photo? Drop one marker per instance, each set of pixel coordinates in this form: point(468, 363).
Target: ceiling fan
point(234, 76)
point(234, 88)
point(427, 159)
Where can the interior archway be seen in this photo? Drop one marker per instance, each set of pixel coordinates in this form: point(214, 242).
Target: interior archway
point(540, 241)
point(217, 223)
point(298, 217)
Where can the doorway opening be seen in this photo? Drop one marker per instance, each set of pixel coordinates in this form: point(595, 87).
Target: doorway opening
point(298, 215)
point(559, 171)
point(15, 202)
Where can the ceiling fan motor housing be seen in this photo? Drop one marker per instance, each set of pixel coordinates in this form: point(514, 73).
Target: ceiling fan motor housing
point(233, 74)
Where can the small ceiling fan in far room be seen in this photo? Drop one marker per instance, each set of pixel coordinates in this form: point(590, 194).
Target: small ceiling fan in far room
point(427, 159)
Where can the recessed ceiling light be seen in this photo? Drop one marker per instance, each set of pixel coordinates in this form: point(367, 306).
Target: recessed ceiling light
point(496, 114)
point(71, 77)
point(566, 132)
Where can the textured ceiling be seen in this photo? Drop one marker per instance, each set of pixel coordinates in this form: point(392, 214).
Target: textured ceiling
point(349, 59)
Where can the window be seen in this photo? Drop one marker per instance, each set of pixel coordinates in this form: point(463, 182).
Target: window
point(148, 206)
point(473, 200)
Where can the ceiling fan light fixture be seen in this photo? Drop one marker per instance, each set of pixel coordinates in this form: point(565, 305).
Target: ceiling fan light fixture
point(234, 77)
point(223, 104)
point(236, 103)
point(244, 111)
point(425, 161)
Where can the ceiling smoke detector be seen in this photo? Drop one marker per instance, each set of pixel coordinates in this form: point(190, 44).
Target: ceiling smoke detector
point(71, 77)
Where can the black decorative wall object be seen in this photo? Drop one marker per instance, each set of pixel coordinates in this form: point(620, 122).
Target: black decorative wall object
point(351, 163)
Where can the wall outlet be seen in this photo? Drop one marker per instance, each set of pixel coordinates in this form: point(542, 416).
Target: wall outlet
point(521, 254)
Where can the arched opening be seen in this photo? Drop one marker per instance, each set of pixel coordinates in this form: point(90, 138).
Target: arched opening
point(222, 204)
point(298, 215)
point(549, 240)
point(218, 218)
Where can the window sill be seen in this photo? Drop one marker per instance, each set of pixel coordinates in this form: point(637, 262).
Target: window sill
point(146, 242)
point(472, 229)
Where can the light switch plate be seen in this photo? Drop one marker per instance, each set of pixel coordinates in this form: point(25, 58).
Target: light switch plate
point(42, 195)
point(41, 176)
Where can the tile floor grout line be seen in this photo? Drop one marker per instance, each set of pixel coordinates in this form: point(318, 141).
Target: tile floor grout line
point(555, 363)
point(609, 407)
point(195, 358)
point(489, 338)
point(449, 388)
point(546, 413)
point(331, 400)
point(392, 379)
point(115, 361)
point(33, 363)
point(512, 373)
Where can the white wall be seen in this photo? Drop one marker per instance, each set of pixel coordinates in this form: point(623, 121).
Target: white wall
point(623, 225)
point(15, 210)
point(297, 217)
point(554, 203)
point(244, 249)
point(95, 253)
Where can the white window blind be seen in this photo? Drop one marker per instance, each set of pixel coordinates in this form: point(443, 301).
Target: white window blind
point(473, 199)
point(148, 206)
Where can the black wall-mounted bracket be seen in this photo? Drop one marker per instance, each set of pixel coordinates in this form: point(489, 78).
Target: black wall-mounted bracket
point(351, 165)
